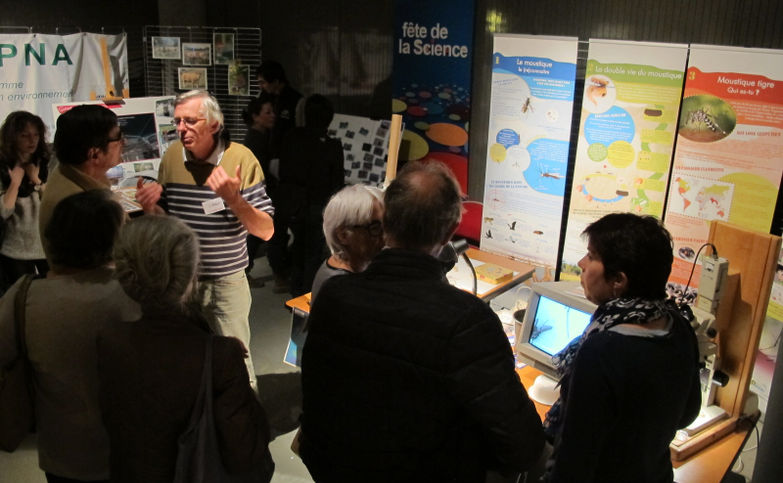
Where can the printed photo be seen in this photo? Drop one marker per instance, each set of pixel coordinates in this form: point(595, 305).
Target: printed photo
point(196, 53)
point(141, 137)
point(224, 48)
point(190, 78)
point(165, 48)
point(238, 84)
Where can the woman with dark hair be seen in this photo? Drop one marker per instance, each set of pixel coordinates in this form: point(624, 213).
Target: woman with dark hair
point(631, 380)
point(150, 371)
point(24, 160)
point(262, 139)
point(259, 117)
point(63, 315)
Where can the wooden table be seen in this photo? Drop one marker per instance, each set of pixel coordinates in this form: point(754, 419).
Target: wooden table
point(706, 466)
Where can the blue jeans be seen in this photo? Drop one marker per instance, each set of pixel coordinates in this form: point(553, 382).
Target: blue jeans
point(226, 304)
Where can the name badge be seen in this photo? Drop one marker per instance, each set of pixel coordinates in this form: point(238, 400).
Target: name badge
point(213, 206)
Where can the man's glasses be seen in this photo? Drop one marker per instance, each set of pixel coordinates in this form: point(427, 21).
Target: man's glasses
point(374, 228)
point(120, 137)
point(189, 121)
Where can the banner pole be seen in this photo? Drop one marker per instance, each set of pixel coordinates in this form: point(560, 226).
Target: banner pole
point(394, 149)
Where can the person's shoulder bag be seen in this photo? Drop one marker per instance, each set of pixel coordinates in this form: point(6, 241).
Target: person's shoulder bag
point(198, 457)
point(17, 412)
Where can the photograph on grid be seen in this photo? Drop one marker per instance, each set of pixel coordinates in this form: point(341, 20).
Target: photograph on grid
point(223, 45)
point(165, 48)
point(238, 76)
point(196, 53)
point(192, 78)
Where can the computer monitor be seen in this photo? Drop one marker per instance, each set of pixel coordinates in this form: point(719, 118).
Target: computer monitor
point(557, 313)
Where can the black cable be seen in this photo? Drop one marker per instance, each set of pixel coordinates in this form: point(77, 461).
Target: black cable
point(473, 271)
point(696, 259)
point(774, 344)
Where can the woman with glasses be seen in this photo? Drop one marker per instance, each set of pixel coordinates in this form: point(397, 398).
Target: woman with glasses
point(24, 160)
point(353, 231)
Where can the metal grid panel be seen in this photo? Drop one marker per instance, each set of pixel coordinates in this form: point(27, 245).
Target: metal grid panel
point(161, 75)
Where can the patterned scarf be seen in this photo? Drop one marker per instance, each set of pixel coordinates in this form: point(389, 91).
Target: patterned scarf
point(625, 310)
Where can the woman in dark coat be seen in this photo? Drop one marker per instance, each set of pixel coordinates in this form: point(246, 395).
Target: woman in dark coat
point(150, 370)
point(631, 380)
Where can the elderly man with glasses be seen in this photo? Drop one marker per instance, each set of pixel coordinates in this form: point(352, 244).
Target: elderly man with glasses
point(217, 188)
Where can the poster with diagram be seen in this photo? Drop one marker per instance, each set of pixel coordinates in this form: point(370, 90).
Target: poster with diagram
point(729, 156)
point(628, 124)
point(527, 150)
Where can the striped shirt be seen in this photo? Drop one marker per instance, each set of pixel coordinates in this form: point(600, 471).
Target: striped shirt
point(222, 237)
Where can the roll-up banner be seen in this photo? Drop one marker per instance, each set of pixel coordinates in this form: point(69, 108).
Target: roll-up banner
point(38, 70)
point(527, 150)
point(433, 51)
point(627, 130)
point(729, 156)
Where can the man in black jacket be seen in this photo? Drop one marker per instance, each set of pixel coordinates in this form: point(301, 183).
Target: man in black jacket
point(406, 378)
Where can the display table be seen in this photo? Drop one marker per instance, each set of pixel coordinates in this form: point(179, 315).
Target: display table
point(706, 466)
point(461, 277)
point(522, 271)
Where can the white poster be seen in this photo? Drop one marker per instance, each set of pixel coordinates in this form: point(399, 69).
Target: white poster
point(729, 158)
point(39, 70)
point(365, 147)
point(527, 150)
point(626, 135)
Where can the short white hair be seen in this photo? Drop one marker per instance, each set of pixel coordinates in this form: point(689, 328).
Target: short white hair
point(350, 206)
point(210, 108)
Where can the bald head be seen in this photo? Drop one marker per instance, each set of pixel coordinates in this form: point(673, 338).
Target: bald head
point(423, 207)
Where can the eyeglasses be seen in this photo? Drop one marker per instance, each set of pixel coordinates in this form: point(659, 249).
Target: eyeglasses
point(189, 121)
point(374, 228)
point(120, 137)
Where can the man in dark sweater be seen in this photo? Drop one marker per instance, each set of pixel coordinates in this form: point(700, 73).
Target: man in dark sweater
point(406, 378)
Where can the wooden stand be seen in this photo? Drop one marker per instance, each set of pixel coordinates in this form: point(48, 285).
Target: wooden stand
point(752, 260)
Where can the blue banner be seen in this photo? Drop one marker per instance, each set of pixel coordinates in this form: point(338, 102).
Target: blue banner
point(433, 48)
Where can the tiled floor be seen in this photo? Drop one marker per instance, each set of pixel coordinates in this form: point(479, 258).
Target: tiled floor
point(278, 384)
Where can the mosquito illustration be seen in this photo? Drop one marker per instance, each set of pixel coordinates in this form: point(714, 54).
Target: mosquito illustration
point(527, 106)
point(704, 116)
point(488, 234)
point(513, 225)
point(544, 174)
